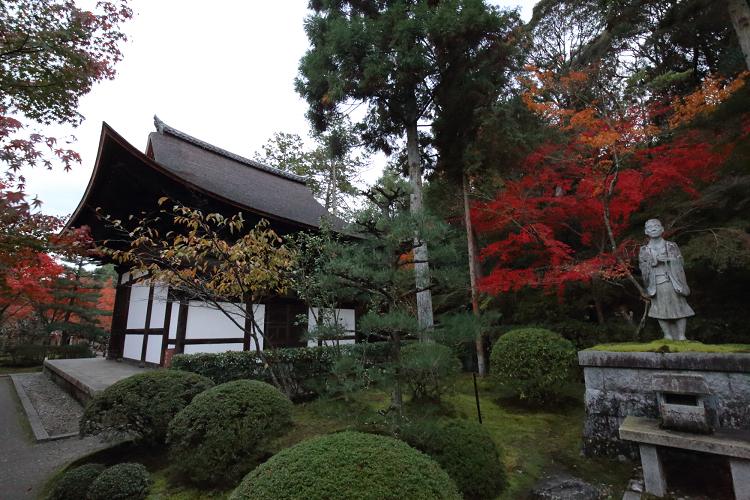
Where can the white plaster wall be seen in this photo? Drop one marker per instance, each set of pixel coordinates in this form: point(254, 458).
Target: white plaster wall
point(173, 320)
point(206, 323)
point(153, 349)
point(125, 277)
point(212, 348)
point(159, 308)
point(137, 307)
point(345, 317)
point(133, 346)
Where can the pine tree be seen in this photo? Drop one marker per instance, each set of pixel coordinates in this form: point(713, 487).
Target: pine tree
point(378, 268)
point(72, 305)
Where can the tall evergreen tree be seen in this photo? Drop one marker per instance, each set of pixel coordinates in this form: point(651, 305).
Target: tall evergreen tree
point(386, 54)
point(675, 42)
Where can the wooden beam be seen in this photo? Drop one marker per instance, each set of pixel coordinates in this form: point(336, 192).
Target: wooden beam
point(149, 308)
point(182, 318)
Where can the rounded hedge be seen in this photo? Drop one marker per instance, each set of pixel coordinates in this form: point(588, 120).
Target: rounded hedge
point(142, 404)
point(467, 452)
point(534, 362)
point(222, 434)
point(427, 368)
point(348, 465)
point(74, 485)
point(126, 481)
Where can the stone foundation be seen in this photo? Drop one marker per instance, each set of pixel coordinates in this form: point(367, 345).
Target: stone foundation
point(619, 384)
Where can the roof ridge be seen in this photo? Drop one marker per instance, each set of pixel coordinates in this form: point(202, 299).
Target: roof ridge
point(162, 127)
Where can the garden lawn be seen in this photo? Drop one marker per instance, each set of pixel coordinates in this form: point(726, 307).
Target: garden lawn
point(535, 441)
point(538, 441)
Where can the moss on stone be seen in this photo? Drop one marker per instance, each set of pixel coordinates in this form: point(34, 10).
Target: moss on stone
point(665, 346)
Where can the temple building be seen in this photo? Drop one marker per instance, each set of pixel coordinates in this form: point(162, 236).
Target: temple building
point(149, 323)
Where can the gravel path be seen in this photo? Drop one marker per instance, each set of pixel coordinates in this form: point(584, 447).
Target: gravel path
point(58, 411)
point(26, 464)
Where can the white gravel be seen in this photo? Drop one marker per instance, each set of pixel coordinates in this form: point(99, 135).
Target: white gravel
point(58, 411)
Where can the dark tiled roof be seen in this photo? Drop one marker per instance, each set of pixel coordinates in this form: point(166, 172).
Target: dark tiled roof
point(162, 127)
point(260, 188)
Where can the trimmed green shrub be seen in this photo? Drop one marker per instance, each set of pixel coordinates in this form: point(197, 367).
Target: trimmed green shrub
point(142, 404)
point(305, 364)
point(466, 451)
point(34, 354)
point(345, 466)
point(222, 434)
point(427, 368)
point(126, 481)
point(74, 485)
point(534, 362)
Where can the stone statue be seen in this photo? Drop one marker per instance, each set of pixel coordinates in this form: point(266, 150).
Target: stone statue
point(664, 280)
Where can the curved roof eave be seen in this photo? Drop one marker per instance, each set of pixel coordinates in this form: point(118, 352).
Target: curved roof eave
point(110, 137)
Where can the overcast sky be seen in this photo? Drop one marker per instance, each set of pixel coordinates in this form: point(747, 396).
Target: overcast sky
point(222, 71)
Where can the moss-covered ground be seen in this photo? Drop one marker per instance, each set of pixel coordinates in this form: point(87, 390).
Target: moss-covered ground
point(666, 346)
point(536, 441)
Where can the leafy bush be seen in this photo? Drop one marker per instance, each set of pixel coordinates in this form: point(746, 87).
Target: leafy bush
point(126, 481)
point(34, 354)
point(348, 465)
point(307, 366)
point(426, 367)
point(74, 485)
point(466, 451)
point(222, 434)
point(142, 404)
point(533, 362)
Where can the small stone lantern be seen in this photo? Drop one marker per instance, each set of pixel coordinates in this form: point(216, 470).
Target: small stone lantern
point(685, 403)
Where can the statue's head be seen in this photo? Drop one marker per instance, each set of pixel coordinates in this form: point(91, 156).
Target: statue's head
point(654, 229)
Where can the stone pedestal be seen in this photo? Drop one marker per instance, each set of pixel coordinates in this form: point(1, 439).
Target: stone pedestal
point(740, 477)
point(731, 443)
point(653, 470)
point(620, 384)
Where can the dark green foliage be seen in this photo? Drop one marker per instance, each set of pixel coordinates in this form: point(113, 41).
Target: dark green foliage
point(74, 485)
point(466, 451)
point(584, 335)
point(427, 369)
point(142, 404)
point(34, 354)
point(222, 434)
point(126, 481)
point(534, 362)
point(345, 466)
point(306, 364)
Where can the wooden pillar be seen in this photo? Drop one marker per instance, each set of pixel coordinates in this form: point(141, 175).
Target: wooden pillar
point(167, 324)
point(182, 317)
point(119, 319)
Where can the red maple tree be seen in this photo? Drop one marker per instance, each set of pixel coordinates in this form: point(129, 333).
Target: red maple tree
point(563, 220)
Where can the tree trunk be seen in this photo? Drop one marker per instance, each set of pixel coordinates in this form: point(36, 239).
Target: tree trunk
point(739, 12)
point(334, 192)
point(421, 267)
point(473, 274)
point(599, 311)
